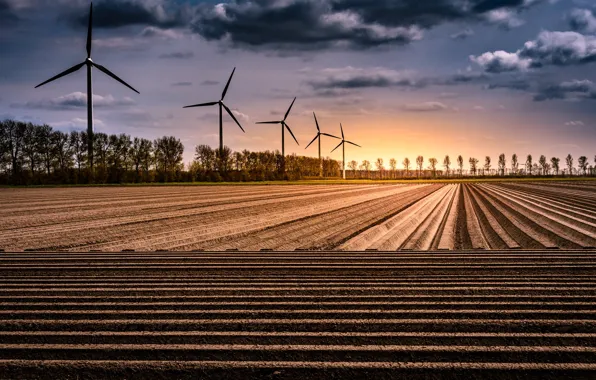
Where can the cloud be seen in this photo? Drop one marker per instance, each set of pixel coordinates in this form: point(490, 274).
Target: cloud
point(583, 20)
point(7, 13)
point(575, 89)
point(350, 77)
point(209, 83)
point(164, 34)
point(182, 84)
point(114, 14)
point(347, 24)
point(241, 116)
point(519, 84)
point(504, 17)
point(463, 34)
point(425, 107)
point(178, 55)
point(76, 100)
point(76, 124)
point(549, 49)
point(576, 123)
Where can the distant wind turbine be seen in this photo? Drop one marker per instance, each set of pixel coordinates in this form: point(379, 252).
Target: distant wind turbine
point(90, 64)
point(284, 125)
point(221, 105)
point(318, 136)
point(343, 144)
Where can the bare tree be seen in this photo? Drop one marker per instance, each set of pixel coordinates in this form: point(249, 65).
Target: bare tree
point(542, 162)
point(419, 164)
point(406, 164)
point(447, 164)
point(569, 161)
point(433, 165)
point(514, 164)
point(529, 164)
point(473, 164)
point(487, 164)
point(380, 167)
point(460, 163)
point(582, 164)
point(366, 166)
point(555, 163)
point(353, 166)
point(392, 166)
point(502, 164)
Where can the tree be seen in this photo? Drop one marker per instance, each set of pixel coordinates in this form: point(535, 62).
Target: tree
point(353, 166)
point(406, 164)
point(460, 163)
point(582, 164)
point(168, 156)
point(447, 164)
point(393, 167)
point(78, 142)
point(31, 148)
point(502, 164)
point(366, 166)
point(433, 165)
point(62, 150)
point(44, 145)
point(529, 164)
point(542, 162)
point(473, 164)
point(380, 167)
point(569, 161)
point(514, 163)
point(419, 164)
point(141, 152)
point(487, 164)
point(555, 163)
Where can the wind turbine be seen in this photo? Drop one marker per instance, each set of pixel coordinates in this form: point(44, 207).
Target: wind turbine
point(284, 125)
point(221, 105)
point(343, 144)
point(90, 64)
point(318, 136)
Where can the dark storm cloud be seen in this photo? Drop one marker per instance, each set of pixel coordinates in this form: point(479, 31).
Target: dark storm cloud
point(178, 55)
point(576, 89)
point(318, 24)
point(113, 14)
point(7, 14)
point(515, 84)
point(76, 100)
point(549, 49)
point(583, 20)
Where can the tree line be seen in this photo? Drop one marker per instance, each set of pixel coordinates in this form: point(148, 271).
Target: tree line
point(37, 154)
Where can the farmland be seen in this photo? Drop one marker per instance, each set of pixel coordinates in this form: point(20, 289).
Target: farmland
point(278, 315)
point(440, 216)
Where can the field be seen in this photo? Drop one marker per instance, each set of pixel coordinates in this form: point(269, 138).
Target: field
point(298, 315)
point(420, 216)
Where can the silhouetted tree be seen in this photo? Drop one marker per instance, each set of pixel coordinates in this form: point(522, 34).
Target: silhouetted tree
point(514, 164)
point(433, 165)
point(582, 164)
point(460, 163)
point(542, 162)
point(487, 164)
point(473, 164)
point(502, 164)
point(142, 157)
point(447, 164)
point(406, 164)
point(569, 162)
point(529, 167)
point(555, 163)
point(393, 167)
point(366, 166)
point(419, 164)
point(353, 166)
point(168, 156)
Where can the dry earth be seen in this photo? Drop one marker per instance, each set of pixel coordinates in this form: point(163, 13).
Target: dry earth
point(285, 218)
point(299, 315)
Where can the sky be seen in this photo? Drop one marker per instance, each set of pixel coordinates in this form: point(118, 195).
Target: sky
point(404, 77)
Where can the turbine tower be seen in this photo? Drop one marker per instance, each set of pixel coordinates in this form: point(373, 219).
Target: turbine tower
point(318, 136)
point(343, 145)
point(284, 125)
point(221, 105)
point(90, 64)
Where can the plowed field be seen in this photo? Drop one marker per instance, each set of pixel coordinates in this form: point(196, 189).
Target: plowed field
point(299, 315)
point(286, 218)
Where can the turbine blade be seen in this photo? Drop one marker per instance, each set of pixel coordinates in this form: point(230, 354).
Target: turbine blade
point(64, 73)
point(342, 132)
point(233, 117)
point(202, 105)
point(289, 130)
point(316, 121)
point(90, 30)
point(111, 74)
point(349, 142)
point(225, 91)
point(289, 109)
point(334, 149)
point(313, 140)
point(268, 122)
point(328, 135)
